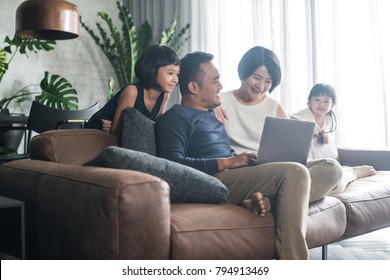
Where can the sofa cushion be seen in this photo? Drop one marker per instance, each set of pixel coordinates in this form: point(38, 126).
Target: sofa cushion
point(326, 221)
point(220, 231)
point(138, 132)
point(186, 184)
point(367, 201)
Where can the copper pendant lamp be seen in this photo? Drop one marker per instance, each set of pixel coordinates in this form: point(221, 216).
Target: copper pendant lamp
point(47, 20)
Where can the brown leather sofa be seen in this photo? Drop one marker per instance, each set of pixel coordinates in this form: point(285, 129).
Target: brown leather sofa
point(83, 212)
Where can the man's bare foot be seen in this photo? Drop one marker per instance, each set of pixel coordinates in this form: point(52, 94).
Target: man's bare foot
point(364, 171)
point(258, 204)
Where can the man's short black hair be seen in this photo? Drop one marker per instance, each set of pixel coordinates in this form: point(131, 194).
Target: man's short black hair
point(190, 69)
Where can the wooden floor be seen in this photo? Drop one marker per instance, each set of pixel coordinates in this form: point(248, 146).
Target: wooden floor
point(371, 246)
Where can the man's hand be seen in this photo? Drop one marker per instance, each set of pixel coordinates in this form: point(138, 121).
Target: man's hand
point(236, 161)
point(220, 114)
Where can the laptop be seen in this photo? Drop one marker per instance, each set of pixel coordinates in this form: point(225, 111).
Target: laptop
point(285, 140)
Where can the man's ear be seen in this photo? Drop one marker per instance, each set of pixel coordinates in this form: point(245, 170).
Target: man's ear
point(193, 87)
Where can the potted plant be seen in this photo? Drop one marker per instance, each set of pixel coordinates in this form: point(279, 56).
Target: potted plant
point(122, 47)
point(53, 90)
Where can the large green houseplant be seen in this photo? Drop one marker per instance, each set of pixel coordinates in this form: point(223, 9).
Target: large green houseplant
point(122, 47)
point(53, 90)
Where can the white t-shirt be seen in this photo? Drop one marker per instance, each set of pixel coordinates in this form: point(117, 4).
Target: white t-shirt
point(319, 150)
point(246, 123)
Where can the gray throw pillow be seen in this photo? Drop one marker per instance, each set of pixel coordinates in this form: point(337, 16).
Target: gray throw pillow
point(186, 184)
point(138, 132)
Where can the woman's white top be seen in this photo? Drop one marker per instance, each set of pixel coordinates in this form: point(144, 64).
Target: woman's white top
point(246, 123)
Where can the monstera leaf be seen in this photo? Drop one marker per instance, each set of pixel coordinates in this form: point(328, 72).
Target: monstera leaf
point(58, 93)
point(23, 46)
point(53, 91)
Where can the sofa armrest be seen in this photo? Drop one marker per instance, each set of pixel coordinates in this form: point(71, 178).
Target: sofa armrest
point(70, 146)
point(90, 212)
point(379, 159)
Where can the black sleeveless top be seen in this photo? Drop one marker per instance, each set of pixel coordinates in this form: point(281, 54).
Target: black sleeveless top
point(108, 110)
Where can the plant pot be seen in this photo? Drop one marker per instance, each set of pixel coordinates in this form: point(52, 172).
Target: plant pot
point(9, 137)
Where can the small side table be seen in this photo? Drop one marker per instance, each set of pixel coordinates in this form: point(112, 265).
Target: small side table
point(6, 202)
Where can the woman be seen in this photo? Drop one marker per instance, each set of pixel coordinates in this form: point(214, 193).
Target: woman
point(249, 105)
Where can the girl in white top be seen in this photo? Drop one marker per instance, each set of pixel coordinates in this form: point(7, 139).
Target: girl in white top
point(321, 100)
point(259, 72)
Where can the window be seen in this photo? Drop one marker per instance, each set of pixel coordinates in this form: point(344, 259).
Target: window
point(343, 43)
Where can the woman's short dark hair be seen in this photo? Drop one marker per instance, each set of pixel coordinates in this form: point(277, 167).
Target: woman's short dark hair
point(190, 70)
point(260, 56)
point(154, 57)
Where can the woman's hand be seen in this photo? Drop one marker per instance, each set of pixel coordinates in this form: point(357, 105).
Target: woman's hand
point(220, 114)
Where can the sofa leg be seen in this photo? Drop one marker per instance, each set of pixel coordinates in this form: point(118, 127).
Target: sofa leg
point(325, 252)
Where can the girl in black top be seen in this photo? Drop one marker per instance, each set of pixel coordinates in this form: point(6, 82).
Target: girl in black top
point(157, 71)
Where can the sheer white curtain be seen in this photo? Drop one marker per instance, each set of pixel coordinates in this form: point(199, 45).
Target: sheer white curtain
point(353, 54)
point(343, 43)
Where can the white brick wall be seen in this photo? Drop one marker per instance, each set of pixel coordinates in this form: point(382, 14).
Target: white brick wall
point(80, 60)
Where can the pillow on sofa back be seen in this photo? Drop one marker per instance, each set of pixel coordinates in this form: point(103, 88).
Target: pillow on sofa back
point(186, 184)
point(138, 132)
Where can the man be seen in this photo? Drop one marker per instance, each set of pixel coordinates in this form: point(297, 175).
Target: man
point(190, 134)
